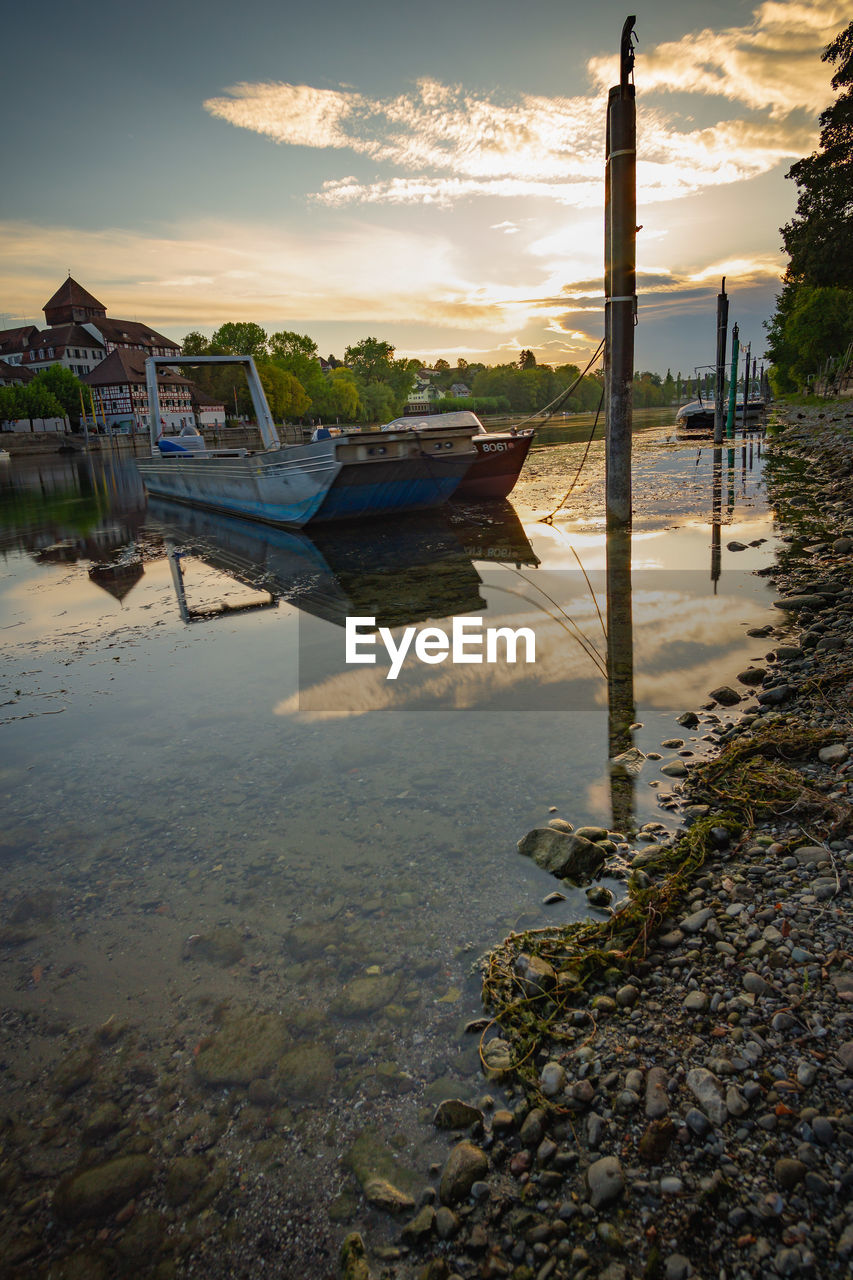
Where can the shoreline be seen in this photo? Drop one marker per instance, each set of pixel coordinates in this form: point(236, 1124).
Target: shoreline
point(688, 1109)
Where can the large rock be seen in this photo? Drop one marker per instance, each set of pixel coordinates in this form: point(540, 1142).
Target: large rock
point(569, 856)
point(465, 1165)
point(453, 1113)
point(605, 1180)
point(97, 1193)
point(353, 1259)
point(243, 1050)
point(366, 995)
point(307, 1071)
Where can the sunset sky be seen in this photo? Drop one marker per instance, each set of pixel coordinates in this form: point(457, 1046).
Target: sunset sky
point(428, 174)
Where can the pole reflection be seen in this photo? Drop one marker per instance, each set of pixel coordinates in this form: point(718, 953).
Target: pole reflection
point(620, 673)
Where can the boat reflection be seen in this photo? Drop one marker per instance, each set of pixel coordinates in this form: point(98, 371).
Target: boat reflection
point(398, 572)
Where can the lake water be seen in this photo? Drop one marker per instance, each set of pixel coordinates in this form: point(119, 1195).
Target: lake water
point(209, 815)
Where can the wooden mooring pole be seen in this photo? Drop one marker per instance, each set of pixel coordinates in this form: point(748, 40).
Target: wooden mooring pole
point(722, 332)
point(620, 282)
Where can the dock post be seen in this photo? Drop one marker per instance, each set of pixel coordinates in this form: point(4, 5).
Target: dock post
point(730, 420)
point(620, 282)
point(722, 331)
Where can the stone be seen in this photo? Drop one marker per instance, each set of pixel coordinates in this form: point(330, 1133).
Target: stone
point(725, 695)
point(788, 1172)
point(552, 1079)
point(569, 856)
point(837, 753)
point(452, 1113)
point(464, 1166)
point(752, 675)
point(657, 1098)
point(656, 1141)
point(675, 769)
point(605, 1180)
point(533, 1128)
point(353, 1259)
point(420, 1227)
point(97, 1193)
point(497, 1059)
point(222, 946)
point(185, 1176)
point(707, 1091)
point(695, 1002)
point(366, 995)
point(446, 1223)
point(306, 1071)
point(242, 1050)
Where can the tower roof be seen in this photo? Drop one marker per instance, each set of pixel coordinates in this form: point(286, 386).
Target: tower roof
point(72, 302)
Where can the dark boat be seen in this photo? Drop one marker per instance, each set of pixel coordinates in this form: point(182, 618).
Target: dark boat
point(697, 417)
point(500, 454)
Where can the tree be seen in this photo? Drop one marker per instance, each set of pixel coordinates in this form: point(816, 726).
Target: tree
point(527, 360)
point(62, 384)
point(441, 365)
point(239, 338)
point(287, 344)
point(286, 396)
point(819, 238)
point(195, 344)
point(370, 359)
point(812, 317)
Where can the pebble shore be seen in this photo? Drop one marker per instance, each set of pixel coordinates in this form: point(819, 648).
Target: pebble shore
point(694, 1116)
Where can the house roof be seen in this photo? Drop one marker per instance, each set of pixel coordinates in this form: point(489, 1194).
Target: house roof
point(72, 294)
point(61, 336)
point(125, 366)
point(14, 340)
point(133, 331)
point(15, 373)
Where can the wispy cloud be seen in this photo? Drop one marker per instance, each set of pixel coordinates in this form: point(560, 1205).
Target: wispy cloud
point(769, 64)
point(449, 145)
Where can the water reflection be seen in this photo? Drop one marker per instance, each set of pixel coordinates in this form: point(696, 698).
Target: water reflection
point(621, 712)
point(398, 573)
point(203, 849)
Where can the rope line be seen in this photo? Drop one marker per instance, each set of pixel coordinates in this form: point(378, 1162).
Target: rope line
point(551, 409)
point(549, 519)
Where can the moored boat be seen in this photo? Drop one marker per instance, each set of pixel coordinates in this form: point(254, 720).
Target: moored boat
point(365, 473)
point(500, 454)
point(697, 417)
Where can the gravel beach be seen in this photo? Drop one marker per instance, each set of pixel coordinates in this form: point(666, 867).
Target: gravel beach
point(687, 1110)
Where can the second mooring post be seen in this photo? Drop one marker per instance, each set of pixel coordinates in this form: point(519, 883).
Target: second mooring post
point(722, 331)
point(620, 282)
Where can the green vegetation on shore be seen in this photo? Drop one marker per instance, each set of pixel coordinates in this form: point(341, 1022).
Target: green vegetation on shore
point(813, 321)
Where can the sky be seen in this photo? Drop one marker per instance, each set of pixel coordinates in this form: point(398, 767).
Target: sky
point(431, 175)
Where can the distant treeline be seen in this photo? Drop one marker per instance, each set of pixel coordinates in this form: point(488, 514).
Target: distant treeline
point(369, 384)
point(813, 321)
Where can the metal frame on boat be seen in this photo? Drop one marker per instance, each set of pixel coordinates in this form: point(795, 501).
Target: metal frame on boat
point(355, 474)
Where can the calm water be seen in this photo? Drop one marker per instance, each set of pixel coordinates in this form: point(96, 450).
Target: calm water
point(185, 754)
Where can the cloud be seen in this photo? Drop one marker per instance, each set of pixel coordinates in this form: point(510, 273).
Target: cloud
point(203, 275)
point(450, 145)
point(771, 64)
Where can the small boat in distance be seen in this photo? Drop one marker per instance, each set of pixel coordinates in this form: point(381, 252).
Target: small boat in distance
point(500, 454)
point(341, 477)
point(697, 417)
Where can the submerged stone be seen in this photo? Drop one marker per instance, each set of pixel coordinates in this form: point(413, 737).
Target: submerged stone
point(98, 1192)
point(243, 1050)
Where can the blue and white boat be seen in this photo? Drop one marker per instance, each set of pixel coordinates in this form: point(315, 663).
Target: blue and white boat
point(336, 477)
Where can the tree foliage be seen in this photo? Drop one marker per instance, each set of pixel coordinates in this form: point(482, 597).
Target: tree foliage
point(813, 319)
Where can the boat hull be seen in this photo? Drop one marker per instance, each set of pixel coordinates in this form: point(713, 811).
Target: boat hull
point(500, 457)
point(342, 478)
